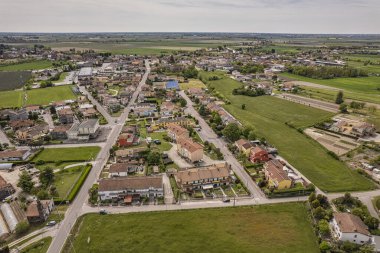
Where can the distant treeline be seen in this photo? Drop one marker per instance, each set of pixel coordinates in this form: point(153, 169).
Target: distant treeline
point(248, 92)
point(326, 72)
point(249, 68)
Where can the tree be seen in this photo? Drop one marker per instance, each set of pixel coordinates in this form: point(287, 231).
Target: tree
point(154, 158)
point(243, 106)
point(232, 132)
point(43, 194)
point(202, 110)
point(246, 130)
point(319, 213)
point(312, 197)
point(25, 182)
point(315, 203)
point(93, 192)
point(182, 102)
point(252, 136)
point(343, 108)
point(324, 246)
point(324, 227)
point(339, 98)
point(22, 227)
point(47, 176)
point(371, 222)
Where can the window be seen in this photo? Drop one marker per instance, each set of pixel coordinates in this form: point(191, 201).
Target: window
point(356, 236)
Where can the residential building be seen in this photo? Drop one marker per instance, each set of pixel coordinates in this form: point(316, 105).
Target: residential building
point(66, 116)
point(86, 130)
point(39, 210)
point(14, 155)
point(244, 146)
point(259, 155)
point(204, 177)
point(164, 122)
point(127, 140)
point(6, 189)
point(60, 132)
point(276, 175)
point(189, 149)
point(349, 227)
point(176, 131)
point(123, 169)
point(125, 188)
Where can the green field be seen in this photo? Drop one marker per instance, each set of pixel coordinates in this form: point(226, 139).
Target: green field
point(193, 83)
point(45, 96)
point(40, 246)
point(10, 99)
point(267, 115)
point(79, 154)
point(33, 65)
point(65, 180)
point(364, 88)
point(267, 228)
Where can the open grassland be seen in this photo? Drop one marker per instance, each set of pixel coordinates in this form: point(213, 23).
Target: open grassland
point(11, 80)
point(267, 228)
point(65, 180)
point(33, 65)
point(79, 154)
point(192, 83)
point(40, 246)
point(268, 115)
point(44, 96)
point(365, 88)
point(10, 99)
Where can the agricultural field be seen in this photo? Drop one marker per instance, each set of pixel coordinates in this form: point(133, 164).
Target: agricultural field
point(365, 88)
point(45, 96)
point(265, 228)
point(193, 83)
point(33, 65)
point(79, 154)
point(11, 80)
point(11, 99)
point(268, 115)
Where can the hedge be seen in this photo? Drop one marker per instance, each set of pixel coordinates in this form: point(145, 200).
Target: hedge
point(77, 186)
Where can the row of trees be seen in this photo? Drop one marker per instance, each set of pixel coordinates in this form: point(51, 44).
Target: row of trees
point(234, 132)
point(326, 72)
point(249, 68)
point(248, 92)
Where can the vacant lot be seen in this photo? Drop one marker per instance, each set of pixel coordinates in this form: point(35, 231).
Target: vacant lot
point(10, 99)
point(268, 115)
point(48, 95)
point(11, 80)
point(65, 180)
point(268, 228)
point(67, 154)
point(193, 83)
point(33, 65)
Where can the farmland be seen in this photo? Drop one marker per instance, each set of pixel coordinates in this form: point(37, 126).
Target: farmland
point(11, 80)
point(268, 115)
point(67, 154)
point(11, 99)
point(45, 96)
point(286, 229)
point(32, 65)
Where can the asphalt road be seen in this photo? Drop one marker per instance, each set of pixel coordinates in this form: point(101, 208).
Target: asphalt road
point(209, 135)
point(75, 208)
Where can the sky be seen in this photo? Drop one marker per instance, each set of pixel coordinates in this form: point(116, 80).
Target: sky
point(256, 16)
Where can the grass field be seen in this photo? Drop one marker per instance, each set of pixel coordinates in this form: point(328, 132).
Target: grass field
point(47, 95)
point(9, 99)
point(67, 154)
point(193, 83)
point(365, 88)
point(40, 246)
point(33, 65)
point(11, 80)
point(267, 115)
point(267, 228)
point(65, 179)
point(164, 146)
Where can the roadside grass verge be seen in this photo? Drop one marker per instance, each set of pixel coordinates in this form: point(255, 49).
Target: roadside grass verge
point(40, 246)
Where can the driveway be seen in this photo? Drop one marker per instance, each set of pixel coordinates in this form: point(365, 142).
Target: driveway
point(48, 119)
point(168, 192)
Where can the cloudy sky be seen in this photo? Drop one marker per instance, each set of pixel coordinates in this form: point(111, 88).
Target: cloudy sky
point(272, 16)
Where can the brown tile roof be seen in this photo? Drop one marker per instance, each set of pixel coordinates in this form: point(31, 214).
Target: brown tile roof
point(177, 130)
point(275, 170)
point(12, 153)
point(138, 183)
point(62, 128)
point(194, 174)
point(189, 144)
point(349, 223)
point(32, 210)
point(118, 167)
point(257, 149)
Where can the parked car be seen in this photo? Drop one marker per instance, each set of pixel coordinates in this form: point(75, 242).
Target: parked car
point(51, 223)
point(102, 212)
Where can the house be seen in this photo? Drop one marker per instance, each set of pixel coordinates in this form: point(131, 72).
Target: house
point(204, 178)
point(276, 176)
point(189, 149)
point(39, 210)
point(34, 109)
point(30, 134)
point(125, 154)
point(60, 132)
point(86, 130)
point(258, 155)
point(17, 124)
point(175, 132)
point(168, 108)
point(14, 155)
point(363, 130)
point(122, 188)
point(66, 116)
point(127, 140)
point(6, 189)
point(349, 227)
point(21, 114)
point(123, 169)
point(164, 122)
point(244, 146)
point(144, 110)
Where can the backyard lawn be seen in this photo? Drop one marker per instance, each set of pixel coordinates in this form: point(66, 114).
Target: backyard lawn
point(79, 154)
point(65, 180)
point(266, 228)
point(10, 99)
point(164, 146)
point(268, 115)
point(193, 83)
point(42, 64)
point(45, 96)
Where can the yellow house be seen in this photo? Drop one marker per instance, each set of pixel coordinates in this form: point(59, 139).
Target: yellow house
point(276, 176)
point(244, 146)
point(164, 122)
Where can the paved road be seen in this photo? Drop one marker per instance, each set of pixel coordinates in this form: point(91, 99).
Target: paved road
point(75, 208)
point(4, 138)
point(327, 106)
point(208, 134)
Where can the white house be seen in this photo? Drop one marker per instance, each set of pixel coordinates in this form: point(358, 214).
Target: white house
point(349, 227)
point(14, 155)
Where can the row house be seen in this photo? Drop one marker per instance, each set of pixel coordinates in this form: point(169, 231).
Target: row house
point(189, 149)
